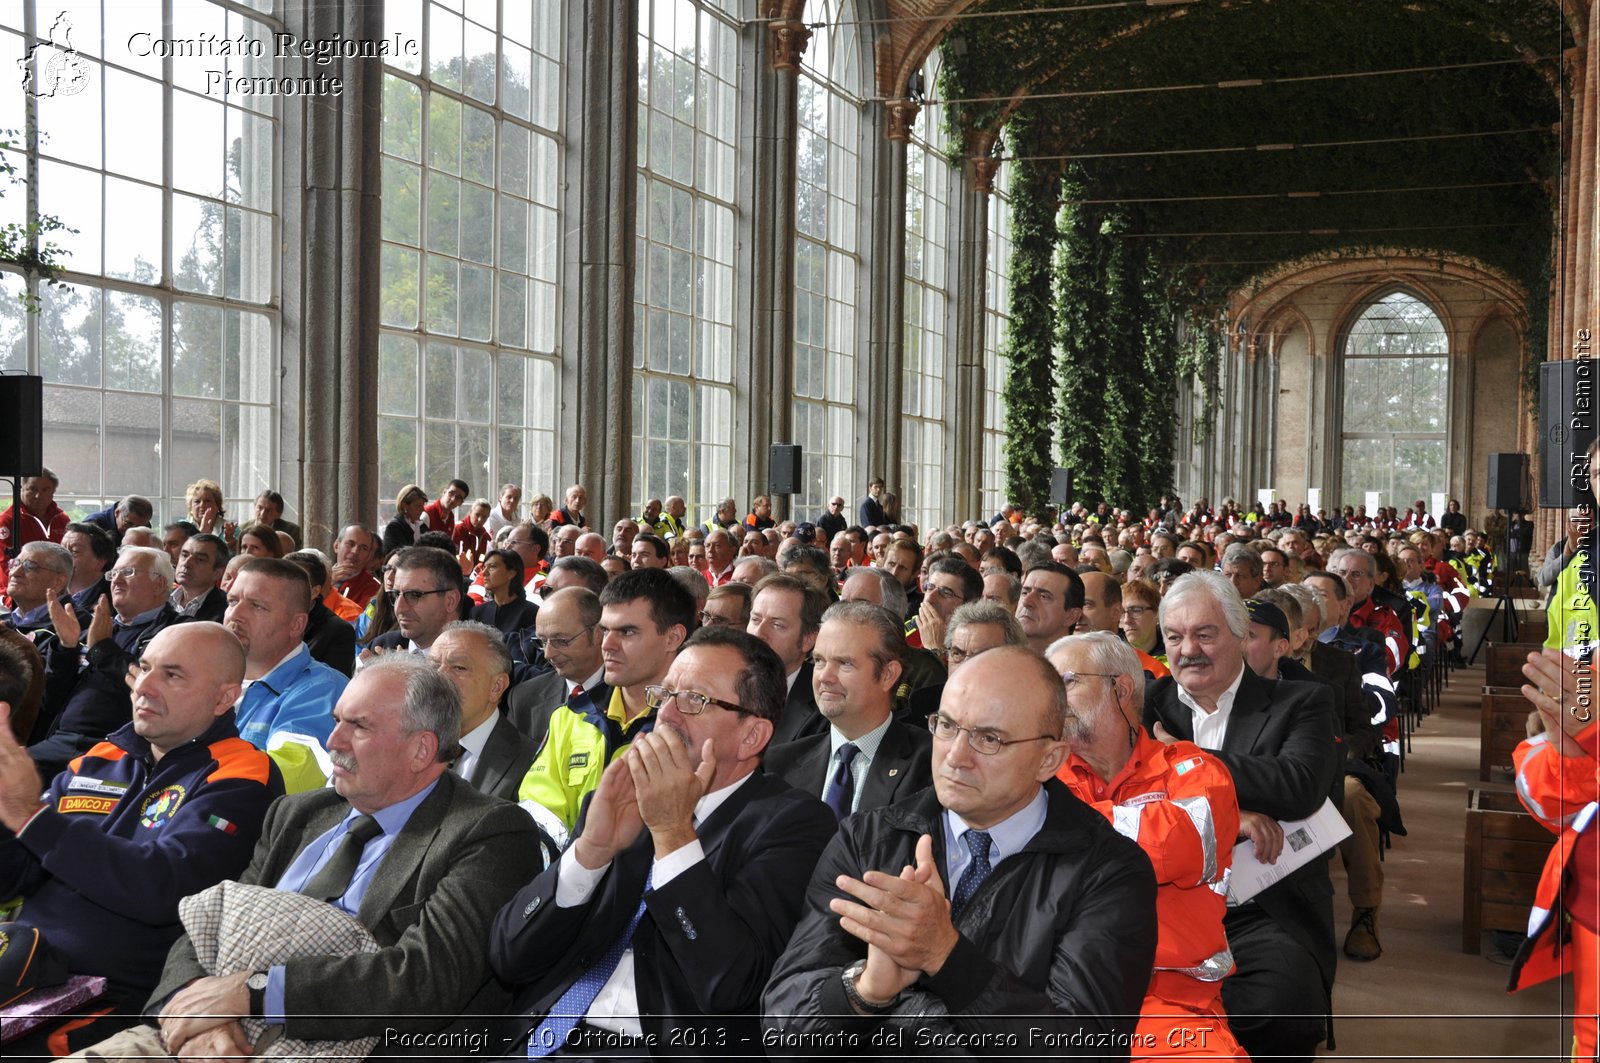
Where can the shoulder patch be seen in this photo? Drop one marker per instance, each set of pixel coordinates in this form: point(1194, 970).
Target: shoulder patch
point(237, 759)
point(99, 751)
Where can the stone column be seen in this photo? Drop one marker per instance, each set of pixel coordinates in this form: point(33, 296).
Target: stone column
point(328, 412)
point(970, 224)
point(601, 167)
point(766, 297)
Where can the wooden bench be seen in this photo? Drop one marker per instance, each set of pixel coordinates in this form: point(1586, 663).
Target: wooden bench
point(1503, 725)
point(1505, 851)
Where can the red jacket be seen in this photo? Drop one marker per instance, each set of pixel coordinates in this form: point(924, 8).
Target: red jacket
point(1179, 804)
point(52, 526)
point(1396, 646)
point(439, 518)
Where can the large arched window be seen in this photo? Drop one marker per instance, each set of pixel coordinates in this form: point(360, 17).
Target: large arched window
point(996, 321)
point(826, 261)
point(683, 279)
point(1396, 400)
point(471, 247)
point(159, 352)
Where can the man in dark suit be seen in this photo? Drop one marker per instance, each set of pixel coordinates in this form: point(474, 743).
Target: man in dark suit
point(426, 596)
point(866, 758)
point(1277, 741)
point(689, 860)
point(869, 511)
point(568, 626)
point(201, 560)
point(494, 754)
point(86, 688)
point(786, 613)
point(413, 852)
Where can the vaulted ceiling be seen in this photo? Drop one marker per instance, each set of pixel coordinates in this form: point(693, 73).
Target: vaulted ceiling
point(1243, 134)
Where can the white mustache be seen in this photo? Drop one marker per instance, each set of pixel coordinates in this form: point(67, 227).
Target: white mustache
point(342, 760)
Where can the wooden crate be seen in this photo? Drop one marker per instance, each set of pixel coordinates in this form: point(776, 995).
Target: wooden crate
point(1503, 662)
point(1504, 724)
point(1505, 851)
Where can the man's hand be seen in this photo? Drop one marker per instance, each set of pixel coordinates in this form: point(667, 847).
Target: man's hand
point(1265, 832)
point(612, 822)
point(65, 622)
point(905, 917)
point(100, 625)
point(19, 778)
point(465, 562)
point(1162, 735)
point(1578, 524)
point(204, 1004)
point(669, 785)
point(218, 1043)
point(930, 626)
point(1562, 690)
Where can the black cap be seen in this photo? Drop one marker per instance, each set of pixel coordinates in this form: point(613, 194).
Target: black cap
point(27, 962)
point(806, 530)
point(1266, 613)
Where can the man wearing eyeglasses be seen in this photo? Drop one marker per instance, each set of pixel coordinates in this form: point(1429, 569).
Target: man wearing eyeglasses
point(659, 925)
point(995, 896)
point(569, 637)
point(863, 758)
point(1178, 803)
point(644, 617)
point(1278, 742)
point(38, 577)
point(285, 689)
point(426, 596)
point(86, 687)
point(949, 584)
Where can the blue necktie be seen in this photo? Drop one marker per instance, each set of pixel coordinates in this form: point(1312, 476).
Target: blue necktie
point(551, 1034)
point(977, 870)
point(840, 793)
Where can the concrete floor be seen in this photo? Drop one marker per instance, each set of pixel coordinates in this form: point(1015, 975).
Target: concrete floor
point(1425, 999)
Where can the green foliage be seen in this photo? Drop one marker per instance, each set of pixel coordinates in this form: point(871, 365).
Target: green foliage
point(28, 244)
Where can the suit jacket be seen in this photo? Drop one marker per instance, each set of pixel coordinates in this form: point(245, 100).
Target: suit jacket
point(458, 858)
point(397, 533)
point(212, 607)
point(708, 937)
point(534, 701)
point(800, 717)
point(902, 766)
point(1279, 748)
point(1339, 667)
point(330, 639)
point(505, 760)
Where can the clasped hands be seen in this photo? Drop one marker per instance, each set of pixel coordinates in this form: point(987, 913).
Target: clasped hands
point(653, 785)
point(201, 1021)
point(903, 919)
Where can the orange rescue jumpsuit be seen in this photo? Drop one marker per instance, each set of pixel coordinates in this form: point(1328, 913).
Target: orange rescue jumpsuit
point(1179, 804)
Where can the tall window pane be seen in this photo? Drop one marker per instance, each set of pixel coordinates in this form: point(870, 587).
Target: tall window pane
point(471, 247)
point(996, 320)
point(683, 326)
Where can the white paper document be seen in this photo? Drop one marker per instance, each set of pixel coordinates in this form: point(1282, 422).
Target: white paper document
point(1303, 841)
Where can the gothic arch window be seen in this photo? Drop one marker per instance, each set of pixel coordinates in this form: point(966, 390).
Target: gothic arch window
point(1396, 392)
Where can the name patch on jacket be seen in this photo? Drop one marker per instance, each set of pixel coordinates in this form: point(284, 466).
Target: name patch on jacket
point(97, 786)
point(100, 806)
point(159, 807)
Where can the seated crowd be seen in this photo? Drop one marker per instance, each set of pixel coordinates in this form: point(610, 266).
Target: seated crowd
point(716, 788)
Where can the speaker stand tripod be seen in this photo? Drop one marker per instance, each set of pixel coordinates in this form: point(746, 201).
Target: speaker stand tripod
point(1508, 620)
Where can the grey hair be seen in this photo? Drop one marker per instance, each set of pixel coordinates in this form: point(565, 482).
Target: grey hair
point(985, 612)
point(888, 626)
point(493, 641)
point(692, 581)
point(1240, 554)
point(1309, 598)
point(1208, 583)
point(1344, 551)
point(432, 702)
point(1108, 655)
point(162, 563)
point(54, 556)
point(894, 595)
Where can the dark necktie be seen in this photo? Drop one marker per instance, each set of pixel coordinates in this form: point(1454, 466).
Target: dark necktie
point(331, 882)
point(551, 1034)
point(977, 870)
point(840, 793)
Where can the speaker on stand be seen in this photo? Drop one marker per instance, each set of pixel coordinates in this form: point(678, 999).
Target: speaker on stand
point(21, 438)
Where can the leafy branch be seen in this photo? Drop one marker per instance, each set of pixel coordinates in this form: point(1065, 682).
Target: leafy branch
point(28, 244)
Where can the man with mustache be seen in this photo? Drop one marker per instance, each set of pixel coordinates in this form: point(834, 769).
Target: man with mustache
point(1277, 740)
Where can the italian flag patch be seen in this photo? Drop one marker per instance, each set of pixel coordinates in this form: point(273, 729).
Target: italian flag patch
point(225, 826)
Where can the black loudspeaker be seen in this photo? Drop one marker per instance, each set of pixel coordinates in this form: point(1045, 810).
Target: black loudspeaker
point(1508, 482)
point(21, 425)
point(783, 469)
point(1061, 485)
point(1566, 428)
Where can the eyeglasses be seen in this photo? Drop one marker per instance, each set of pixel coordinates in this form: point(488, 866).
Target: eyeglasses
point(1069, 678)
point(1136, 611)
point(413, 597)
point(714, 620)
point(959, 655)
point(116, 574)
point(947, 593)
point(559, 642)
point(31, 566)
point(988, 743)
point(690, 702)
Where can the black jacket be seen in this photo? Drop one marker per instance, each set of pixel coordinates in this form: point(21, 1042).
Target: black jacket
point(1060, 938)
point(902, 765)
point(330, 639)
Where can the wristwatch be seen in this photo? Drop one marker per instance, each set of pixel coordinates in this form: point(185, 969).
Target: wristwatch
point(859, 1002)
point(257, 985)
